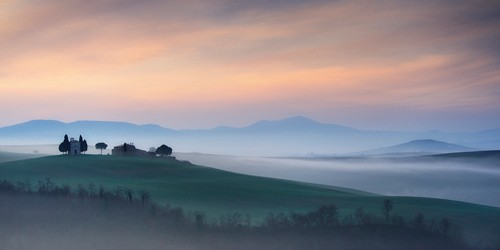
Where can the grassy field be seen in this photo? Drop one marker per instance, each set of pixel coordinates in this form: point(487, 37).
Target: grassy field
point(216, 192)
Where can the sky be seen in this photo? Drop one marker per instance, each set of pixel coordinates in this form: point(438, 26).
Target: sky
point(391, 64)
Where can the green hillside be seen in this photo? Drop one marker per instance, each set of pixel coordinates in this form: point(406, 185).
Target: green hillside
point(217, 192)
point(8, 156)
point(181, 184)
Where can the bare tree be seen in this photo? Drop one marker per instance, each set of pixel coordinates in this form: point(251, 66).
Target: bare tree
point(145, 197)
point(387, 208)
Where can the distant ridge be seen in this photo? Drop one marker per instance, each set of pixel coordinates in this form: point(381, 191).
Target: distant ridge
point(293, 124)
point(425, 146)
point(490, 154)
point(51, 131)
point(293, 136)
point(297, 123)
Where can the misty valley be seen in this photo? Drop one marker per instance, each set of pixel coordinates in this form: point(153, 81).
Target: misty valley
point(469, 179)
point(124, 202)
point(82, 193)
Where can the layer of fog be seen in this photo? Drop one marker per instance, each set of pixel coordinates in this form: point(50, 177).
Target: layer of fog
point(477, 181)
point(463, 181)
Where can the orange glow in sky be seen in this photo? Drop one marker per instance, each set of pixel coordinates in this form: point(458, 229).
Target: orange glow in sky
point(198, 64)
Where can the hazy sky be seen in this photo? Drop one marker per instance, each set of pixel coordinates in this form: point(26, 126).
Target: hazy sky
point(407, 65)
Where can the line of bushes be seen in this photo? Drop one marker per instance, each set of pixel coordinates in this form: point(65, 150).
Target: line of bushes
point(325, 219)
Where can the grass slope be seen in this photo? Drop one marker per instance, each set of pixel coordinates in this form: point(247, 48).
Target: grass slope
point(217, 192)
point(9, 156)
point(180, 184)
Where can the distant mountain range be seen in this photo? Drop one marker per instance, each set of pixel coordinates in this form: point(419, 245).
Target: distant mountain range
point(292, 136)
point(419, 147)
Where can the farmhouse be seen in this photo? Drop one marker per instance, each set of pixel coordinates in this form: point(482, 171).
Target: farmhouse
point(128, 149)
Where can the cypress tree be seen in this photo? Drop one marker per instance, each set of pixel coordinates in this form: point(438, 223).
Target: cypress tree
point(65, 145)
point(84, 146)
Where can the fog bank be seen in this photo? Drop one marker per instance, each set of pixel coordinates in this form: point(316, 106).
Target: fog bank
point(475, 181)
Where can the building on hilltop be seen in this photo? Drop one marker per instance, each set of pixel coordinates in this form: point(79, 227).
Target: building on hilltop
point(128, 149)
point(75, 147)
point(72, 146)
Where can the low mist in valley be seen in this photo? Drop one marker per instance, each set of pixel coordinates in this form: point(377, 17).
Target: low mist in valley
point(476, 181)
point(34, 220)
point(473, 180)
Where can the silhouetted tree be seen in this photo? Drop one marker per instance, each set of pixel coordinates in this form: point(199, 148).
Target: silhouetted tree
point(298, 220)
point(360, 216)
point(230, 220)
point(65, 146)
point(130, 194)
point(101, 192)
point(419, 222)
point(326, 216)
point(199, 220)
point(145, 197)
point(84, 146)
point(101, 146)
point(92, 190)
point(281, 220)
point(397, 220)
point(6, 186)
point(24, 186)
point(386, 209)
point(164, 150)
point(178, 216)
point(445, 226)
point(82, 192)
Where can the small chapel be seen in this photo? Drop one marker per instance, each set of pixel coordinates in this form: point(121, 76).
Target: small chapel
point(75, 147)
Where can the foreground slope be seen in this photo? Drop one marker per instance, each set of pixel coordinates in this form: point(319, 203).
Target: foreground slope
point(43, 221)
point(217, 192)
point(180, 183)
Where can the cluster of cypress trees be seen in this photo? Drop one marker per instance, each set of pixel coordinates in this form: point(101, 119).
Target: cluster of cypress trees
point(65, 145)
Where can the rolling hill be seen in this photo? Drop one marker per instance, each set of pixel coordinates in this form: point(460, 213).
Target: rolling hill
point(488, 155)
point(217, 192)
point(178, 183)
